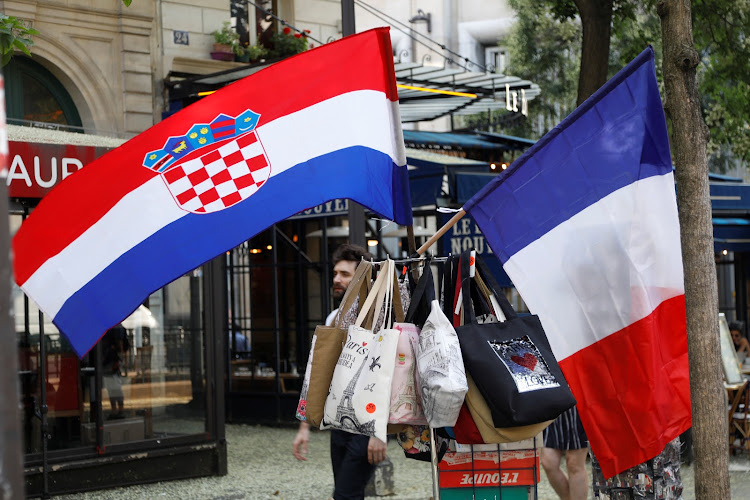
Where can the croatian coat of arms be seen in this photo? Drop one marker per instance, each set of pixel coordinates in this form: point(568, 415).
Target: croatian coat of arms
point(214, 165)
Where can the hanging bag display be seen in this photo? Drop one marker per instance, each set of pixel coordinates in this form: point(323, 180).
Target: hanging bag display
point(475, 425)
point(415, 441)
point(511, 361)
point(465, 430)
point(325, 350)
point(359, 397)
point(406, 405)
point(440, 367)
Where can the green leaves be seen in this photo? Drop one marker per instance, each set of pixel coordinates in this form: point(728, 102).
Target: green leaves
point(15, 34)
point(127, 2)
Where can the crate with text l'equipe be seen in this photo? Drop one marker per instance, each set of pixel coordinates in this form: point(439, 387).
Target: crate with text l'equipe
point(492, 472)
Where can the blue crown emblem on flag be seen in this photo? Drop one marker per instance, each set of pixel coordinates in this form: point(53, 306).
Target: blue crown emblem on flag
point(201, 135)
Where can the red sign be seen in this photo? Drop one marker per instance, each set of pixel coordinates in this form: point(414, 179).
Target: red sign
point(35, 168)
point(510, 468)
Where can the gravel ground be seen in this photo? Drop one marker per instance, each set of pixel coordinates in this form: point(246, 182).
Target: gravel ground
point(261, 467)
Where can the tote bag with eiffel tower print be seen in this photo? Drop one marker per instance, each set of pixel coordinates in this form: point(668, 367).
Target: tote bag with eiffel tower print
point(359, 396)
point(406, 407)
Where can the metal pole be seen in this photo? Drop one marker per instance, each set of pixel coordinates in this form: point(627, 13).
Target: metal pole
point(43, 405)
point(356, 211)
point(11, 472)
point(434, 465)
point(276, 321)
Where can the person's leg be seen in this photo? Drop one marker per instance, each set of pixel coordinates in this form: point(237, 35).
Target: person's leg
point(339, 441)
point(578, 484)
point(551, 462)
point(354, 471)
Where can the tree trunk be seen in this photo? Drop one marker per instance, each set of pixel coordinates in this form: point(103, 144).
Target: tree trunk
point(596, 21)
point(689, 138)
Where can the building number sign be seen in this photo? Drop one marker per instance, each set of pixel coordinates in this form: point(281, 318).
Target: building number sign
point(181, 37)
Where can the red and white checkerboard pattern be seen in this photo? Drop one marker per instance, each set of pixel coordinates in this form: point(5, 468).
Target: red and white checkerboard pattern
point(221, 177)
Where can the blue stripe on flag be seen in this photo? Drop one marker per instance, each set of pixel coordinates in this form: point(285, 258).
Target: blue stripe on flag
point(195, 239)
point(616, 137)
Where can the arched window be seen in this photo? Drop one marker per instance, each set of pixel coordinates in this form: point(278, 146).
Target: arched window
point(33, 94)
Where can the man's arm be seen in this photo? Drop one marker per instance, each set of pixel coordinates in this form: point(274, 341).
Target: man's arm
point(299, 445)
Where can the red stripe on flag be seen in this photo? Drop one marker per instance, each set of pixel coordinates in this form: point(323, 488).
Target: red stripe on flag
point(222, 124)
point(633, 388)
point(218, 134)
point(357, 62)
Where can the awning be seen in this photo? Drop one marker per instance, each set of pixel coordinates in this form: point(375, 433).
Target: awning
point(449, 140)
point(732, 234)
point(494, 92)
point(729, 197)
point(427, 174)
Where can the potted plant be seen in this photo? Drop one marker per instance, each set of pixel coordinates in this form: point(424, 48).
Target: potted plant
point(225, 42)
point(287, 43)
point(256, 52)
point(249, 53)
point(241, 54)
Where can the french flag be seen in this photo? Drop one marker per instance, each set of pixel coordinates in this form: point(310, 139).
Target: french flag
point(318, 126)
point(585, 224)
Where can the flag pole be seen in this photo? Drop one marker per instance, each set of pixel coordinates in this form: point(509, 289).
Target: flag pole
point(441, 231)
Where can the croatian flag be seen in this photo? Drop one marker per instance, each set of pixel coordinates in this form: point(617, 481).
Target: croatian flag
point(585, 224)
point(318, 126)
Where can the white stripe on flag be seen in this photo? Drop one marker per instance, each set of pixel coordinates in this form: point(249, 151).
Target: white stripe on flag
point(138, 215)
point(592, 276)
point(323, 128)
point(331, 125)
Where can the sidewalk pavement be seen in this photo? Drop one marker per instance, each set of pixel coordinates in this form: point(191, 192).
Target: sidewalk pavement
point(261, 467)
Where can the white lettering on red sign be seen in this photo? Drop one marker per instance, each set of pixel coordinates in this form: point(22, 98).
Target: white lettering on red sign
point(19, 171)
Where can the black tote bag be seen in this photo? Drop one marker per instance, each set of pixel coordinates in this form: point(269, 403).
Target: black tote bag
point(511, 361)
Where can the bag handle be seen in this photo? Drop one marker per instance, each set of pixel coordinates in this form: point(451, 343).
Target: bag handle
point(391, 311)
point(358, 286)
point(489, 297)
point(374, 298)
point(424, 293)
point(398, 307)
point(494, 288)
point(466, 280)
point(384, 300)
point(449, 287)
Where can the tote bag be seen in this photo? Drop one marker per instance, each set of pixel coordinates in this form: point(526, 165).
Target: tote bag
point(442, 378)
point(406, 404)
point(474, 424)
point(511, 362)
point(359, 397)
point(325, 350)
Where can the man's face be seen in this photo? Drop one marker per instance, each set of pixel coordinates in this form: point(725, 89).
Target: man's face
point(343, 272)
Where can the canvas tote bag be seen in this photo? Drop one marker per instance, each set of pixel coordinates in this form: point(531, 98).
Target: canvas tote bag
point(406, 405)
point(325, 350)
point(475, 425)
point(359, 397)
point(442, 378)
point(511, 362)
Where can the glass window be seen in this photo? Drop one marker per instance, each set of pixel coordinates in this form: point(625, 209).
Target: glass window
point(153, 375)
point(39, 105)
point(34, 94)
